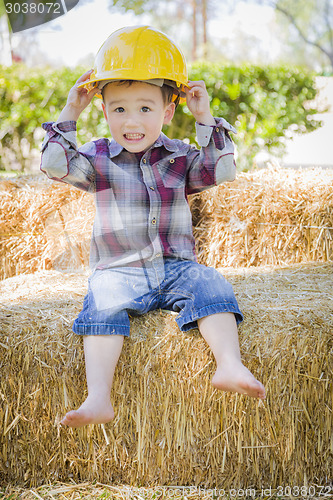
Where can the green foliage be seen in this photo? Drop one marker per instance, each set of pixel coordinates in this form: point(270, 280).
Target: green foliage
point(139, 7)
point(29, 97)
point(2, 8)
point(263, 103)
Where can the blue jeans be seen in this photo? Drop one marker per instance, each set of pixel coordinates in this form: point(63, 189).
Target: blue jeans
point(186, 287)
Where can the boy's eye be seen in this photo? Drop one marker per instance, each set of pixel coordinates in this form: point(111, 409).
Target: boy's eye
point(145, 109)
point(120, 109)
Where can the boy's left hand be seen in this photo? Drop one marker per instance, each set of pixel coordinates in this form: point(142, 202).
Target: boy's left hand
point(197, 100)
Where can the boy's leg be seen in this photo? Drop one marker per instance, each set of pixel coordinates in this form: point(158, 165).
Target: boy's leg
point(220, 332)
point(101, 356)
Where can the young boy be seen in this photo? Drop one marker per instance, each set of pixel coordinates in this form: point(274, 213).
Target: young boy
point(142, 251)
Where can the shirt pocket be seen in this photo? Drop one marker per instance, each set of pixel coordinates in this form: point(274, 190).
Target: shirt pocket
point(173, 172)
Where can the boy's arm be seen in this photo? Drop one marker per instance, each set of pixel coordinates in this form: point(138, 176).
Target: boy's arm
point(197, 100)
point(61, 159)
point(215, 161)
point(77, 100)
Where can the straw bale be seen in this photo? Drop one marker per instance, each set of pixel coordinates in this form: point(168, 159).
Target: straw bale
point(268, 217)
point(43, 225)
point(272, 216)
point(171, 426)
point(98, 491)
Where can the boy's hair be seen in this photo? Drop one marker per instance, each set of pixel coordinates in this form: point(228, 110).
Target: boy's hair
point(167, 91)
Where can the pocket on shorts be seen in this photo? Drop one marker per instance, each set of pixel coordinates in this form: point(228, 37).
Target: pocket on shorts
point(115, 290)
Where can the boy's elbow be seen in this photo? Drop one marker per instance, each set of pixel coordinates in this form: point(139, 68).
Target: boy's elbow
point(225, 168)
point(54, 161)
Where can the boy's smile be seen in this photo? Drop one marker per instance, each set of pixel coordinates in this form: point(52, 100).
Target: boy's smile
point(135, 114)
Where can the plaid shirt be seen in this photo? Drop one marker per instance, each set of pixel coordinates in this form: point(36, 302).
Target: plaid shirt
point(142, 211)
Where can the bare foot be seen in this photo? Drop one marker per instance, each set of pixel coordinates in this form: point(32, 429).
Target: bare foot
point(92, 411)
point(236, 377)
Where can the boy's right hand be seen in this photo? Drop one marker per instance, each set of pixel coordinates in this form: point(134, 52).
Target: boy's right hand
point(78, 99)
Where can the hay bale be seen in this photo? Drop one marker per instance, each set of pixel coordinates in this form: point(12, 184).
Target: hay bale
point(171, 427)
point(273, 216)
point(43, 225)
point(270, 217)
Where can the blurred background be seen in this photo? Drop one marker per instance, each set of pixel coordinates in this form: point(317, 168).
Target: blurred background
point(268, 66)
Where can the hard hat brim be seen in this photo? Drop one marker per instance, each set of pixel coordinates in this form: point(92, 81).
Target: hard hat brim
point(159, 82)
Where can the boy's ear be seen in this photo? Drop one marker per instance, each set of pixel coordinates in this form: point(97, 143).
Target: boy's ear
point(169, 112)
point(104, 111)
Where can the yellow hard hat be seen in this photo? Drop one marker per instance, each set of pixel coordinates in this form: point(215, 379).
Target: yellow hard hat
point(139, 53)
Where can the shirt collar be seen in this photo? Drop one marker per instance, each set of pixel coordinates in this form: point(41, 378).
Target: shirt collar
point(169, 144)
point(162, 141)
point(114, 148)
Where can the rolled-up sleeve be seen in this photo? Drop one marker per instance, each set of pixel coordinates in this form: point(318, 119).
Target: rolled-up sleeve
point(215, 163)
point(62, 160)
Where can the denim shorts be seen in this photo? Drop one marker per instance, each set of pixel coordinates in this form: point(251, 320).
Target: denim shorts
point(183, 286)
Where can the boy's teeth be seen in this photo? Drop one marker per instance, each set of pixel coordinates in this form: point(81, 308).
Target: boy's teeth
point(133, 136)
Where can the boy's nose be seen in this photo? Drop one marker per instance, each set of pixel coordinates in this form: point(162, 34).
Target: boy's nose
point(131, 120)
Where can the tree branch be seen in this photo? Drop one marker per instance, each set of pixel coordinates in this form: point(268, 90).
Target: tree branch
point(300, 32)
point(327, 11)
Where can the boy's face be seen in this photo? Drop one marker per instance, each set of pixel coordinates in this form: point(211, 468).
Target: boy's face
point(135, 114)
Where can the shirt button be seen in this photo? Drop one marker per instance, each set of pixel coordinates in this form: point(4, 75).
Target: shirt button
point(153, 221)
point(172, 160)
point(217, 129)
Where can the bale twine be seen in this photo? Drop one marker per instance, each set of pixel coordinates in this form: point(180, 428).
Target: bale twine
point(171, 426)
